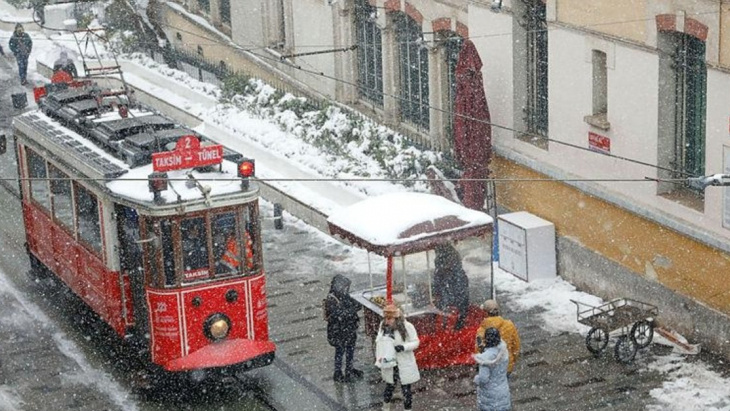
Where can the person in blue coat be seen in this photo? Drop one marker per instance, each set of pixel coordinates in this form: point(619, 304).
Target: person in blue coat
point(21, 45)
point(492, 385)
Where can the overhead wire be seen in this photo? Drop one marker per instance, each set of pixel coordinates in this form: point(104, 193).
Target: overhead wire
point(449, 112)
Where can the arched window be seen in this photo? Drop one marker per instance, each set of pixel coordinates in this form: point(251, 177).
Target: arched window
point(413, 70)
point(369, 53)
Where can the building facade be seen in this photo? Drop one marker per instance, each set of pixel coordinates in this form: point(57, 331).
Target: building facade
point(615, 103)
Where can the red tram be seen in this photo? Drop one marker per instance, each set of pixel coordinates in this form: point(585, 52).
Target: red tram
point(153, 226)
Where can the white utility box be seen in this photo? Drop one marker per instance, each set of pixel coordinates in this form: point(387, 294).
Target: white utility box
point(526, 246)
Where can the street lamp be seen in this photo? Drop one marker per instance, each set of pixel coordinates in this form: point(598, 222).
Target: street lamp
point(701, 183)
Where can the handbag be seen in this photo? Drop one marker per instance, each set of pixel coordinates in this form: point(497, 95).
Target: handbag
point(385, 353)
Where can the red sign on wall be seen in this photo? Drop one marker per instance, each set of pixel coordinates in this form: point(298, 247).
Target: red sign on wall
point(188, 153)
point(597, 142)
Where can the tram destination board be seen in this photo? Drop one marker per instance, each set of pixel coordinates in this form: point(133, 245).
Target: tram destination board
point(188, 153)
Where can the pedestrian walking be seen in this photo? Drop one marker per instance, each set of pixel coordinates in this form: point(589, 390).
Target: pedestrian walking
point(21, 45)
point(507, 330)
point(394, 329)
point(492, 385)
point(342, 322)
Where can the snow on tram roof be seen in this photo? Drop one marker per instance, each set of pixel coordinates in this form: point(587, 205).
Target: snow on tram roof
point(132, 183)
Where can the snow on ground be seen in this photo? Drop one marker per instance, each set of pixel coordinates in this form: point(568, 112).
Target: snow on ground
point(29, 313)
point(689, 385)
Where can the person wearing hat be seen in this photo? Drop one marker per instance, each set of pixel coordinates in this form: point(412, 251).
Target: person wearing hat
point(405, 339)
point(506, 328)
point(342, 322)
point(65, 64)
point(492, 385)
point(21, 45)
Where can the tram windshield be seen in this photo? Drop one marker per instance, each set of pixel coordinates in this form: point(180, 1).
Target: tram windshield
point(202, 246)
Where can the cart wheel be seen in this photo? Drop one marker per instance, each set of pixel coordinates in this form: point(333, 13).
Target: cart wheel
point(625, 350)
point(642, 333)
point(596, 340)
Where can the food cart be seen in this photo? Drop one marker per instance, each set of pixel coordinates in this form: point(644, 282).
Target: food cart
point(406, 229)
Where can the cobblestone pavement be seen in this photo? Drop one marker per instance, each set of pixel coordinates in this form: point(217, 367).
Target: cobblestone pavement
point(555, 372)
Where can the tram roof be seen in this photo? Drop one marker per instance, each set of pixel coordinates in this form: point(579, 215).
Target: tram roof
point(405, 222)
point(131, 182)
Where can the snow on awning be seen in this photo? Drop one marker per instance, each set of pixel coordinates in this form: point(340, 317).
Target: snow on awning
point(404, 223)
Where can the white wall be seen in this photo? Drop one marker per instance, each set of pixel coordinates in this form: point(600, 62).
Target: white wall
point(314, 30)
point(247, 23)
point(717, 135)
point(492, 35)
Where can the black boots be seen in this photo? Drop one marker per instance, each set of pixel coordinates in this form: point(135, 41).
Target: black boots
point(349, 376)
point(338, 376)
point(353, 375)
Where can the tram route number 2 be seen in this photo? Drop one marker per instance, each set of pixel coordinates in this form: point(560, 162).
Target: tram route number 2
point(188, 153)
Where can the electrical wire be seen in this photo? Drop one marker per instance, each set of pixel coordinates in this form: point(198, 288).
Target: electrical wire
point(451, 113)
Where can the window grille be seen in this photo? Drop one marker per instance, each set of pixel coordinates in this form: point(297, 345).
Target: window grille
point(225, 11)
point(369, 53)
point(690, 105)
point(413, 60)
point(537, 69)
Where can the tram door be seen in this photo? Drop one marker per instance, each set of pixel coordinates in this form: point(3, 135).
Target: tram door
point(130, 257)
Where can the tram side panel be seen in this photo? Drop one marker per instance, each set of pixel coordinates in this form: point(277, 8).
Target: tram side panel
point(53, 239)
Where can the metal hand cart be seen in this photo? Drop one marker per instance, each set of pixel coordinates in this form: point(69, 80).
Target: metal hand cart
point(618, 314)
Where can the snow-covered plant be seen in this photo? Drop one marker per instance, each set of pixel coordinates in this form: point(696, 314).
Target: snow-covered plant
point(336, 131)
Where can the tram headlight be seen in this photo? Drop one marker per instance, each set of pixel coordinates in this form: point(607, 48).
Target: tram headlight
point(217, 327)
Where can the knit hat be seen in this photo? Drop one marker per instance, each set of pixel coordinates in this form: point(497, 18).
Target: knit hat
point(18, 26)
point(491, 307)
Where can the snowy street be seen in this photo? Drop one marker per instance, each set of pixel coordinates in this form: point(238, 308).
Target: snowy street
point(53, 358)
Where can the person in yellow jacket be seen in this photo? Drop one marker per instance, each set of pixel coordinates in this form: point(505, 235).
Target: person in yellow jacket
point(506, 328)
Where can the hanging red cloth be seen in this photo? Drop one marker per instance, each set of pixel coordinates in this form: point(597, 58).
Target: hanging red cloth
point(472, 128)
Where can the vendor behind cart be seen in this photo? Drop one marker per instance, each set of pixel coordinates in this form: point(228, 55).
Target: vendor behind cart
point(450, 283)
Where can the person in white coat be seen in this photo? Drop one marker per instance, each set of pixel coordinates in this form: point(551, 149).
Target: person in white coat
point(394, 329)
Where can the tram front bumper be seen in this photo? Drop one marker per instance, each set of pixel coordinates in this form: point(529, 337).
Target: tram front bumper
point(225, 353)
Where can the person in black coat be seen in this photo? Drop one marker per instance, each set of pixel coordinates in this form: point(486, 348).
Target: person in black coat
point(21, 45)
point(342, 322)
point(450, 283)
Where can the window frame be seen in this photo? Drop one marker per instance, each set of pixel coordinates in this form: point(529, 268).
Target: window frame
point(32, 156)
point(413, 69)
point(165, 268)
point(97, 246)
point(369, 39)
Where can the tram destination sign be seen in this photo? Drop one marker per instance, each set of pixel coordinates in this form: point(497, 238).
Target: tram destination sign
point(188, 153)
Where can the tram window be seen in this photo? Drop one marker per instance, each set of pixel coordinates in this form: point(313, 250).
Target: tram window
point(87, 213)
point(195, 248)
point(38, 182)
point(226, 244)
point(61, 203)
point(168, 253)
